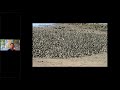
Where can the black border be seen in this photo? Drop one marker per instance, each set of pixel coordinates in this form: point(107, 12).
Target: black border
point(77, 73)
point(7, 20)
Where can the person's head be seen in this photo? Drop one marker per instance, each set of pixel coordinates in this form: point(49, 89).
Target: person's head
point(12, 46)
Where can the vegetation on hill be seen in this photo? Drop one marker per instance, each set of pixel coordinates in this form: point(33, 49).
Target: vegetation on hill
point(66, 42)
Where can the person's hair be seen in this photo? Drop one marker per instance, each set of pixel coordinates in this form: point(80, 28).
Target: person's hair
point(11, 43)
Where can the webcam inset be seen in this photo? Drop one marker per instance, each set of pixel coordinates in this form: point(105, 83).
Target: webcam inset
point(9, 45)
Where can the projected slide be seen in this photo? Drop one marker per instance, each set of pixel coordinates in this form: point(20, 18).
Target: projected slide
point(9, 45)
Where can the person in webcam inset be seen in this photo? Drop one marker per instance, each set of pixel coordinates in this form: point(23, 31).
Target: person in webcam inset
point(12, 47)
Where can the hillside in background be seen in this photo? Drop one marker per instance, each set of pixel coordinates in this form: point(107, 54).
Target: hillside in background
point(69, 40)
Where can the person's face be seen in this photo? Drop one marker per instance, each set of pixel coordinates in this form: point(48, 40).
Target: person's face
point(12, 46)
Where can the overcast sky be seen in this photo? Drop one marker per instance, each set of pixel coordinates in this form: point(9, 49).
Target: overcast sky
point(41, 24)
point(48, 24)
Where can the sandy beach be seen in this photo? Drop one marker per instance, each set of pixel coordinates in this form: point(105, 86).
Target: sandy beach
point(98, 60)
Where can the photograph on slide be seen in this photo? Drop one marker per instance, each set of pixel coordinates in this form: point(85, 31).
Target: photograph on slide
point(69, 44)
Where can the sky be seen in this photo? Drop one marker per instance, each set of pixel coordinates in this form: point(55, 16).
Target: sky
point(48, 24)
point(41, 24)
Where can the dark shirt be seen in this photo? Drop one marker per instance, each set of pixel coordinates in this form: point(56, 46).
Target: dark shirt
point(10, 50)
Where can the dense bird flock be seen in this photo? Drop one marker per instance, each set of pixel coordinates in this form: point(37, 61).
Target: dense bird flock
point(63, 41)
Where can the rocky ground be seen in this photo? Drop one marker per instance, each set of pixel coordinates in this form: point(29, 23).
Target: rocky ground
point(70, 44)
